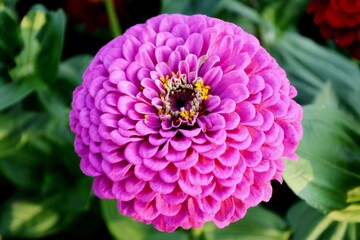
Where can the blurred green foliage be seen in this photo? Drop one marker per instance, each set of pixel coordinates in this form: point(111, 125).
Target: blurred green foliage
point(45, 195)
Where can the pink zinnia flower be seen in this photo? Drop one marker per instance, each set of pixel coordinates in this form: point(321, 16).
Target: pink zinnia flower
point(185, 120)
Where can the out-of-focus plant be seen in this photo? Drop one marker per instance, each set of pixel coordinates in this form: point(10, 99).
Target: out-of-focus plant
point(43, 192)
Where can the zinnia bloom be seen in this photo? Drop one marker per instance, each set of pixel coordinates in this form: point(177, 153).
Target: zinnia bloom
point(339, 20)
point(185, 120)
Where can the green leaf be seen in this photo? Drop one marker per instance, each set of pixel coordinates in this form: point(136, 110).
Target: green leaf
point(23, 170)
point(46, 215)
point(189, 7)
point(51, 40)
point(244, 11)
point(258, 223)
point(309, 66)
point(327, 174)
point(308, 223)
point(13, 131)
point(12, 93)
point(284, 14)
point(10, 39)
point(42, 32)
point(326, 97)
point(27, 219)
point(124, 228)
point(72, 69)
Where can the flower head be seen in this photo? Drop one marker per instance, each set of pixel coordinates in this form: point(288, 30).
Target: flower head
point(339, 20)
point(184, 120)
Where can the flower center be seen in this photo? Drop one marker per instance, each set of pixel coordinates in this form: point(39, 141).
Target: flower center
point(183, 101)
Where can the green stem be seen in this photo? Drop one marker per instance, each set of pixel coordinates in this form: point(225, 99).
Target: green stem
point(114, 23)
point(196, 233)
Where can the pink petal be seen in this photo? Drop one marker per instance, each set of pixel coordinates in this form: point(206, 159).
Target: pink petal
point(194, 43)
point(165, 208)
point(144, 173)
point(169, 174)
point(102, 187)
point(226, 211)
point(155, 164)
point(146, 194)
point(159, 186)
point(180, 143)
point(205, 165)
point(177, 196)
point(230, 157)
point(189, 161)
point(147, 210)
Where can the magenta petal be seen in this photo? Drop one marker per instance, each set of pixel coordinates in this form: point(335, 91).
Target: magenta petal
point(232, 120)
point(223, 172)
point(161, 224)
point(196, 212)
point(156, 140)
point(169, 174)
point(175, 156)
point(179, 219)
point(177, 196)
point(127, 88)
point(144, 173)
point(194, 43)
point(197, 178)
point(155, 164)
point(145, 55)
point(144, 108)
point(125, 103)
point(205, 165)
point(216, 151)
point(131, 153)
point(162, 54)
point(209, 205)
point(221, 193)
point(222, 46)
point(226, 106)
point(237, 92)
point(189, 161)
point(116, 171)
point(143, 129)
point(146, 194)
point(114, 156)
point(102, 187)
point(126, 208)
point(146, 150)
point(216, 137)
point(212, 102)
point(252, 159)
point(120, 193)
point(255, 196)
point(230, 157)
point(257, 139)
point(180, 143)
point(158, 185)
point(226, 211)
point(165, 208)
point(201, 148)
point(190, 133)
point(134, 185)
point(189, 188)
point(213, 77)
point(147, 210)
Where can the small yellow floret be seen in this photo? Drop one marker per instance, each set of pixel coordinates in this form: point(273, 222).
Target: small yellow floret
point(185, 114)
point(204, 90)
